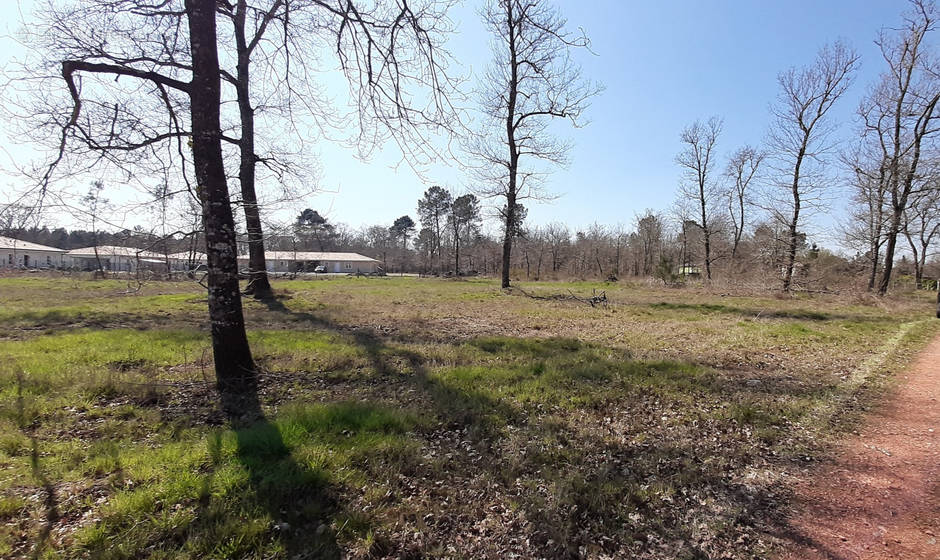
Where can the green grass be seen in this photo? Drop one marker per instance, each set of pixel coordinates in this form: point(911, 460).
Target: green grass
point(403, 414)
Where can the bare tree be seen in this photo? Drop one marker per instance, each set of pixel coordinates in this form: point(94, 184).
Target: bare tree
point(799, 138)
point(742, 169)
point(531, 81)
point(245, 46)
point(379, 239)
point(129, 51)
point(559, 239)
point(866, 221)
point(235, 372)
point(234, 367)
point(922, 224)
point(94, 204)
point(369, 40)
point(698, 162)
point(901, 112)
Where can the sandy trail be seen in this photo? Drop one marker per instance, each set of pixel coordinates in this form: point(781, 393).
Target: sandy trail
point(880, 496)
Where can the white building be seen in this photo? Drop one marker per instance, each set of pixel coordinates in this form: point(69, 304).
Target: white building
point(115, 259)
point(23, 254)
point(186, 261)
point(311, 261)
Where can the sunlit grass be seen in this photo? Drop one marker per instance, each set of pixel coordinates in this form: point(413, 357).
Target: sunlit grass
point(597, 420)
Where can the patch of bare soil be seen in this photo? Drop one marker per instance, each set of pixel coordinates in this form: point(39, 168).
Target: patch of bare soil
point(879, 498)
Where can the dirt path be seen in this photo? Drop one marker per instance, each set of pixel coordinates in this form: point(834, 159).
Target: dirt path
point(880, 497)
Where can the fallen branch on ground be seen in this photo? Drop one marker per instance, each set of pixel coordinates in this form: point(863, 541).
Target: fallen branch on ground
point(595, 299)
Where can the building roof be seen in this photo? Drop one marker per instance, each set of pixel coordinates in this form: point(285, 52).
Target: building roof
point(188, 256)
point(114, 251)
point(8, 243)
point(312, 256)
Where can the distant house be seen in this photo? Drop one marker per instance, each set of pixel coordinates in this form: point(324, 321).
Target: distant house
point(690, 271)
point(23, 254)
point(187, 260)
point(115, 259)
point(310, 261)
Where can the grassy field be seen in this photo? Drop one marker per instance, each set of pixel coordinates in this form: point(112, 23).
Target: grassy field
point(421, 418)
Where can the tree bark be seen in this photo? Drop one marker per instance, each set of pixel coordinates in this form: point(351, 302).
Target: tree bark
point(706, 234)
point(917, 259)
point(511, 144)
point(890, 246)
point(456, 251)
point(794, 222)
point(507, 239)
point(234, 367)
point(873, 273)
point(738, 232)
point(938, 302)
point(259, 285)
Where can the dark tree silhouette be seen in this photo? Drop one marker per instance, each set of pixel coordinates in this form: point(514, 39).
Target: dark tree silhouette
point(433, 208)
point(402, 229)
point(311, 223)
point(463, 218)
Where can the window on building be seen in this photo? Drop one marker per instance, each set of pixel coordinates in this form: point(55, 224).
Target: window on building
point(348, 266)
point(10, 259)
point(48, 260)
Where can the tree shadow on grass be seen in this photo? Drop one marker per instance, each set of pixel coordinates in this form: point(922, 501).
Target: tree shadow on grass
point(463, 407)
point(587, 491)
point(297, 499)
point(50, 502)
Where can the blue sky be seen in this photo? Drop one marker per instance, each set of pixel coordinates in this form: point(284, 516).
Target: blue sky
point(664, 65)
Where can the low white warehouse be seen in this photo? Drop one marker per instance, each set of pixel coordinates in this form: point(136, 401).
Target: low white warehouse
point(23, 254)
point(312, 261)
point(115, 259)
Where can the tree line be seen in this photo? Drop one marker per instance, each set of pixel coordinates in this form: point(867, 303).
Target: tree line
point(892, 169)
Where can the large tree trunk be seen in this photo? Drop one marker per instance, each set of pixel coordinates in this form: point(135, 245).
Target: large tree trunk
point(456, 252)
point(507, 239)
point(916, 259)
point(921, 263)
point(873, 273)
point(437, 241)
point(706, 233)
point(795, 220)
point(234, 368)
point(259, 286)
point(511, 144)
point(791, 251)
point(738, 233)
point(890, 246)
